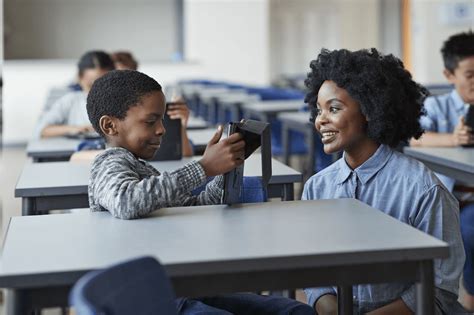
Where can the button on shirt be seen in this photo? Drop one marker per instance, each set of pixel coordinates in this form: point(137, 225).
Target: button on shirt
point(408, 191)
point(442, 115)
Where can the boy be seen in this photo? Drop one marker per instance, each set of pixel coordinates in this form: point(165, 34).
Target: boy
point(126, 108)
point(445, 126)
point(68, 114)
point(365, 104)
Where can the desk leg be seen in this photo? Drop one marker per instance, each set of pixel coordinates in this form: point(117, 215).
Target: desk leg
point(17, 303)
point(344, 300)
point(288, 192)
point(425, 289)
point(285, 138)
point(28, 206)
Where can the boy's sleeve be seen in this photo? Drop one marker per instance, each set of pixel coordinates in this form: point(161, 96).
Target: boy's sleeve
point(56, 115)
point(428, 121)
point(118, 189)
point(313, 294)
point(438, 215)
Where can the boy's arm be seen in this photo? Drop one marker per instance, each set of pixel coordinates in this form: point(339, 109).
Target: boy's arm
point(397, 307)
point(434, 139)
point(117, 188)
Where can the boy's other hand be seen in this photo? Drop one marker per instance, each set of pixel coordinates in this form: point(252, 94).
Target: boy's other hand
point(462, 134)
point(223, 156)
point(327, 305)
point(81, 129)
point(179, 111)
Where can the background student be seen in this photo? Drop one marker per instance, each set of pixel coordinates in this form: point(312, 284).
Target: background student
point(124, 60)
point(68, 115)
point(365, 104)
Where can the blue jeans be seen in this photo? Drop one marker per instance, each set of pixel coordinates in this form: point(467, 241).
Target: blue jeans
point(467, 231)
point(243, 304)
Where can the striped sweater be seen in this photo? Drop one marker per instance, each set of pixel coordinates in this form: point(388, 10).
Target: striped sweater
point(130, 188)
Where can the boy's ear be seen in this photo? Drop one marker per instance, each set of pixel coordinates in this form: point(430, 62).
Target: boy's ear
point(449, 75)
point(108, 125)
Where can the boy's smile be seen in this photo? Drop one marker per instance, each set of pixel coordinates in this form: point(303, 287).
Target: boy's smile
point(141, 130)
point(463, 79)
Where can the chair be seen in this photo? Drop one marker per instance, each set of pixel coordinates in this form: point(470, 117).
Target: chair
point(252, 190)
point(139, 286)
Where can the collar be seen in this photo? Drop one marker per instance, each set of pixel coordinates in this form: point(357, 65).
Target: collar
point(368, 169)
point(459, 104)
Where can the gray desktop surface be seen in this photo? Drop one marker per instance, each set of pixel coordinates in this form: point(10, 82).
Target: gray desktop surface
point(66, 178)
point(297, 117)
point(60, 147)
point(211, 240)
point(274, 106)
point(454, 162)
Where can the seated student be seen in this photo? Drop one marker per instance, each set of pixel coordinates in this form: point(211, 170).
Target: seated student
point(445, 126)
point(124, 60)
point(365, 104)
point(126, 108)
point(68, 115)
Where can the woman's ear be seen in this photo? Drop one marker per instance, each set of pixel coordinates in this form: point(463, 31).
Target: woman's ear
point(108, 125)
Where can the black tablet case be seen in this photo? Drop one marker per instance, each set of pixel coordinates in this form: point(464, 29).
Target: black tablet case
point(171, 143)
point(256, 134)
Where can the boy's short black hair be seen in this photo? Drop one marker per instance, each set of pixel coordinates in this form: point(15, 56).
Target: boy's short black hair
point(115, 92)
point(388, 97)
point(95, 59)
point(456, 48)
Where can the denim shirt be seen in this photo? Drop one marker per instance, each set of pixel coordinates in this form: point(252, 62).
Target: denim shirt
point(443, 112)
point(408, 191)
point(442, 115)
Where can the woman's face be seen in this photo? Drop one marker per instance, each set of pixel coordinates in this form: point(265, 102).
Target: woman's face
point(339, 120)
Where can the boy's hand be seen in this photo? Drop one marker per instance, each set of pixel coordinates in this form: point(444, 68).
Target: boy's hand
point(462, 134)
point(327, 305)
point(81, 129)
point(223, 156)
point(179, 111)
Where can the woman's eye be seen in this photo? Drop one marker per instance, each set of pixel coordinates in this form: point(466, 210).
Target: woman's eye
point(150, 122)
point(334, 110)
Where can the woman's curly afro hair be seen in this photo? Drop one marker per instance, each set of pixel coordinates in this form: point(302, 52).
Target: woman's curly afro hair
point(388, 97)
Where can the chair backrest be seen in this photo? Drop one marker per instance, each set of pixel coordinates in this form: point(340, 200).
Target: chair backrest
point(139, 286)
point(253, 190)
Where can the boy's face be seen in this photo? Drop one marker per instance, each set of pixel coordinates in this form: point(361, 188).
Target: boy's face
point(142, 129)
point(339, 120)
point(463, 79)
point(89, 76)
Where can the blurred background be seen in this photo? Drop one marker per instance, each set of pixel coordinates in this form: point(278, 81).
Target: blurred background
point(247, 41)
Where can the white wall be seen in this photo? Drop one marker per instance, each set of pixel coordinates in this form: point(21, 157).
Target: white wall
point(230, 38)
point(224, 39)
point(430, 29)
point(62, 29)
point(300, 28)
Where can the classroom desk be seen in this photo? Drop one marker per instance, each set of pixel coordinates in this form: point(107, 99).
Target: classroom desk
point(457, 163)
point(210, 250)
point(268, 110)
point(61, 148)
point(233, 103)
point(63, 185)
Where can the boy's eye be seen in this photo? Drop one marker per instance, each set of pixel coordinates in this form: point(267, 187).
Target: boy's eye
point(150, 122)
